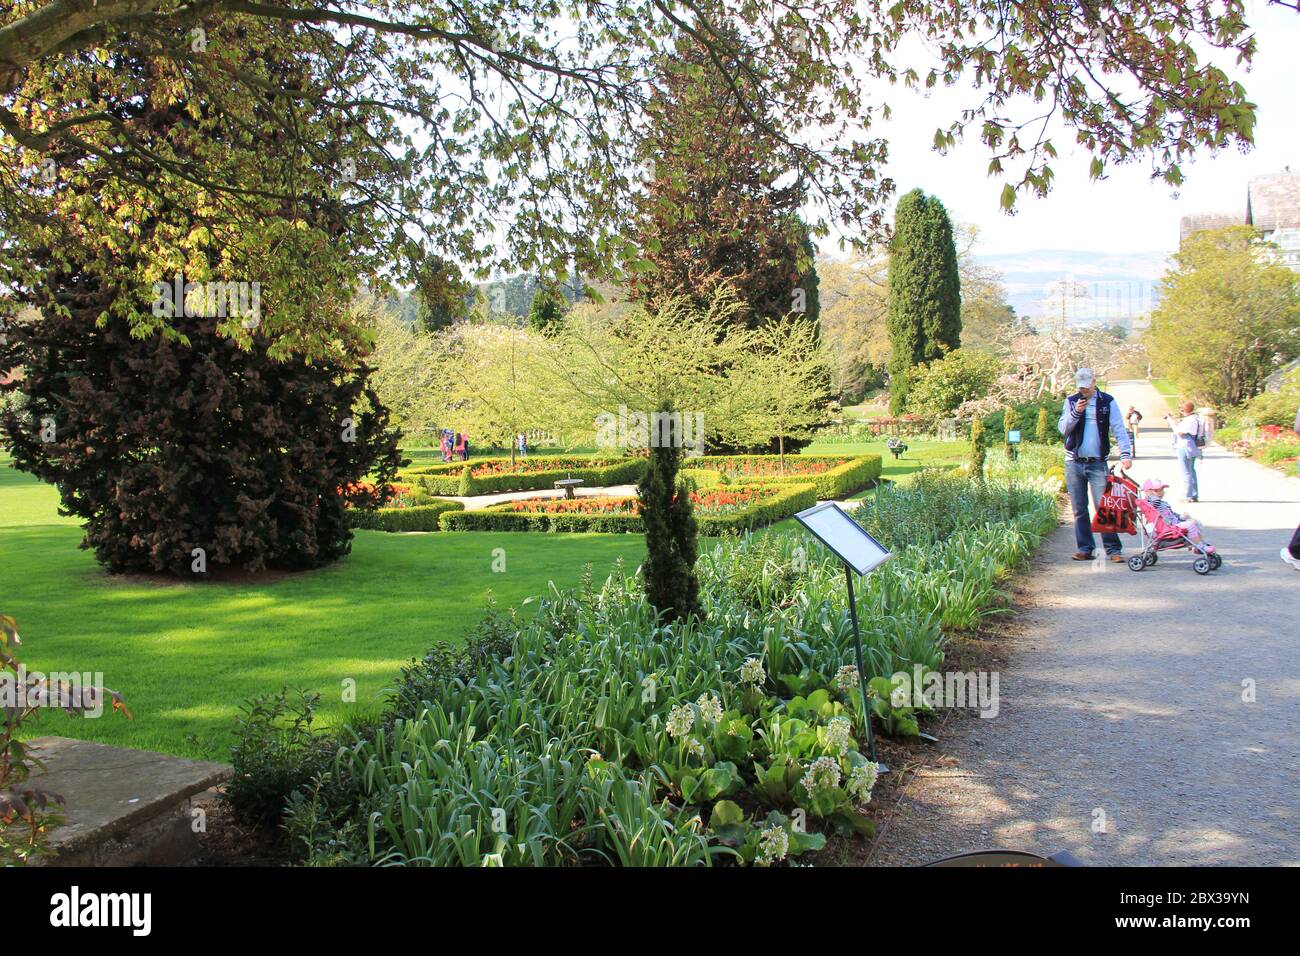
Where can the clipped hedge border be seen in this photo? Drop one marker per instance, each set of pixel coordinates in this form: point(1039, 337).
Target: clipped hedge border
point(455, 479)
point(422, 517)
point(860, 472)
point(784, 504)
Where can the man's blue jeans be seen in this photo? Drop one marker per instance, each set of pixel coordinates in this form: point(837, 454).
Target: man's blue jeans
point(1078, 479)
point(1187, 461)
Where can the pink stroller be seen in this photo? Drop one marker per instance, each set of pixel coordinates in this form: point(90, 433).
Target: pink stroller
point(1158, 534)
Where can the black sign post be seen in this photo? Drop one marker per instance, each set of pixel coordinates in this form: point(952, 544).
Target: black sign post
point(861, 553)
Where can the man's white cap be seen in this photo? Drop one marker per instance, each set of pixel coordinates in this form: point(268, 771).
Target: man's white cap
point(1084, 377)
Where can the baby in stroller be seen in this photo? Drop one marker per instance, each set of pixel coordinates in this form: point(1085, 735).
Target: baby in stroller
point(1166, 529)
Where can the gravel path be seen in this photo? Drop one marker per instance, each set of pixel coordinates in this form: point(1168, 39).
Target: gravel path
point(1123, 735)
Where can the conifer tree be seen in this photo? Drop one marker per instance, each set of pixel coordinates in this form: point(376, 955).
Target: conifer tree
point(924, 317)
point(670, 532)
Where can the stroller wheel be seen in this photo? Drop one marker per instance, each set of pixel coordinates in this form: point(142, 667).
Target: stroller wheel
point(1216, 561)
point(1202, 566)
point(1137, 562)
point(1152, 558)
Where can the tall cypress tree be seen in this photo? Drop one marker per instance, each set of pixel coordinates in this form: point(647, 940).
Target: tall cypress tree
point(924, 319)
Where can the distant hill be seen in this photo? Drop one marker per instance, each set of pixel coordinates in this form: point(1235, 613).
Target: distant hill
point(1119, 286)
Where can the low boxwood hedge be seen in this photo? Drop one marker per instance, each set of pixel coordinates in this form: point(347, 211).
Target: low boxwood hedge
point(426, 516)
point(457, 479)
point(784, 504)
point(841, 481)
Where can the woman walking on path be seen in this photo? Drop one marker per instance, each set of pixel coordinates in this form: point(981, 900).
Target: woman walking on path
point(1188, 432)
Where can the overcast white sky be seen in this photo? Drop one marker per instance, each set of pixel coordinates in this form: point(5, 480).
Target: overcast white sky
point(1126, 212)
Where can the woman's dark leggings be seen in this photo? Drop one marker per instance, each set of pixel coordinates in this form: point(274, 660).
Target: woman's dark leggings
point(1294, 547)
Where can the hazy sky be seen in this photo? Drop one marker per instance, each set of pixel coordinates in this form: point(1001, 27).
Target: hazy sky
point(1127, 211)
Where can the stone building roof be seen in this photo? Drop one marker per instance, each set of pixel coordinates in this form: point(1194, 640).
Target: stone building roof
point(1273, 201)
point(1200, 221)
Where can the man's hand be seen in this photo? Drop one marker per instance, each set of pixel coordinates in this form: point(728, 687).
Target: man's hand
point(1125, 464)
point(1080, 406)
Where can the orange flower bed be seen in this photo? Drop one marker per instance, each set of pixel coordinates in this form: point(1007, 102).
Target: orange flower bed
point(718, 501)
point(794, 465)
point(523, 466)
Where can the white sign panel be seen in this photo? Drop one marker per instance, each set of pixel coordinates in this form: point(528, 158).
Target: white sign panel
point(848, 539)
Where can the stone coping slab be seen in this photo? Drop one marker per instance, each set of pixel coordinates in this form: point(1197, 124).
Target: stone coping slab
point(111, 791)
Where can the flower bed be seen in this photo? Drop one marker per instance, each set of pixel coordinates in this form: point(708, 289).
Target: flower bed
point(591, 732)
point(495, 475)
point(1270, 445)
point(832, 476)
point(720, 511)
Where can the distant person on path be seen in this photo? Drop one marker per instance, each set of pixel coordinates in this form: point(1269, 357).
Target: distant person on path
point(1291, 553)
point(1189, 436)
point(459, 447)
point(1134, 418)
point(523, 444)
point(1089, 419)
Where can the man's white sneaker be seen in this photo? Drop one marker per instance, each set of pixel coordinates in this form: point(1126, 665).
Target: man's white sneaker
point(1285, 555)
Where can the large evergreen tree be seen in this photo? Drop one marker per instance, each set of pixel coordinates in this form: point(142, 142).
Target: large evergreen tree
point(720, 205)
point(924, 290)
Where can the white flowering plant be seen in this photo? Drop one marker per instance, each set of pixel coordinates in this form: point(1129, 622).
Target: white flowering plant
point(768, 841)
point(893, 706)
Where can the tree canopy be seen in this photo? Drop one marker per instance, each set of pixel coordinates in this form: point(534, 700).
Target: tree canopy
point(504, 134)
point(1229, 315)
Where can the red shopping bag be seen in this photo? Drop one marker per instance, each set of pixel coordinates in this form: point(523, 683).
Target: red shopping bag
point(1115, 511)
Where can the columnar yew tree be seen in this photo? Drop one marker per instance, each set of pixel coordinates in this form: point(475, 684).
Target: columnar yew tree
point(671, 584)
point(924, 290)
point(977, 449)
point(546, 311)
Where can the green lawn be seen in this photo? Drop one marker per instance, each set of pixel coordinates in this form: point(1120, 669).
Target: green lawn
point(186, 655)
point(1166, 387)
point(919, 454)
